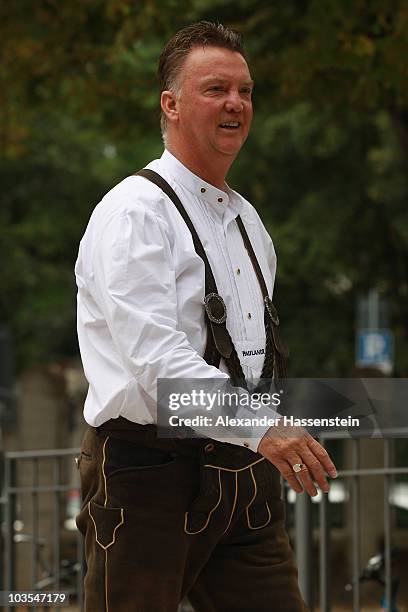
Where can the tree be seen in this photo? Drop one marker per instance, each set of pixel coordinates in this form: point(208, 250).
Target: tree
point(80, 110)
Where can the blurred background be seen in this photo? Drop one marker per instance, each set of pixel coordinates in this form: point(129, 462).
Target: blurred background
point(325, 165)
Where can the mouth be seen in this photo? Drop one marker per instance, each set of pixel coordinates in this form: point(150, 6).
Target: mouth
point(230, 125)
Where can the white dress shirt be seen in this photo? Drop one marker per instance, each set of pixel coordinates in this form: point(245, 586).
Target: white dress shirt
point(141, 287)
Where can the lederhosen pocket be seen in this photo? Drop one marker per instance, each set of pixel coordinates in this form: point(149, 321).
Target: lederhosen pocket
point(106, 522)
point(121, 457)
point(209, 497)
point(266, 502)
point(262, 476)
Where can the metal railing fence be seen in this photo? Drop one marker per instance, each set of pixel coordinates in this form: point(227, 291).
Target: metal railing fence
point(46, 534)
point(304, 530)
point(43, 479)
point(14, 499)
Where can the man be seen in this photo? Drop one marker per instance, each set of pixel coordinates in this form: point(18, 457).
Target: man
point(167, 518)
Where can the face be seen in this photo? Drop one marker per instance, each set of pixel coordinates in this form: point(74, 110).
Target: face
point(214, 106)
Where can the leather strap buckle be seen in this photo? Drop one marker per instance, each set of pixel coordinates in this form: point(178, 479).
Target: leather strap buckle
point(215, 308)
point(273, 313)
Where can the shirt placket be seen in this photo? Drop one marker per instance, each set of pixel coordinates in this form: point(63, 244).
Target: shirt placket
point(229, 286)
point(246, 282)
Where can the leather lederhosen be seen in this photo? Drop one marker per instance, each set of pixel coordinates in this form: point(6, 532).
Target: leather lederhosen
point(226, 492)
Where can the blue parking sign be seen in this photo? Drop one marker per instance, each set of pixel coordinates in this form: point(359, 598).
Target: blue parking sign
point(375, 348)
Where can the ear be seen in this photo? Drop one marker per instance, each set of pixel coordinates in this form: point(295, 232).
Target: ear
point(168, 102)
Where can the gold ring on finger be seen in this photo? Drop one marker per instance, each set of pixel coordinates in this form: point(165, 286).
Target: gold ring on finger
point(297, 467)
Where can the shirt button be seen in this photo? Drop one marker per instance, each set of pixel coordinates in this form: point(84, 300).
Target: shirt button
point(246, 444)
point(220, 199)
point(202, 189)
point(249, 315)
point(238, 271)
point(209, 447)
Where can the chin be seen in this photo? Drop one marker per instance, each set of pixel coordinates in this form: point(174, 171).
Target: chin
point(230, 148)
point(230, 151)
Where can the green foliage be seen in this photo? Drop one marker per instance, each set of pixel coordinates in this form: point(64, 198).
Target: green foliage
point(325, 163)
point(321, 184)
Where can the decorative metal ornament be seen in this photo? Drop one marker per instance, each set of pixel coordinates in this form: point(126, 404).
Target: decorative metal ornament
point(215, 308)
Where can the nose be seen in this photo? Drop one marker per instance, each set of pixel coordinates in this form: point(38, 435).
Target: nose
point(234, 102)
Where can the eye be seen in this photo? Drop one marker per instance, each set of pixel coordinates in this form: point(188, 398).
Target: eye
point(246, 90)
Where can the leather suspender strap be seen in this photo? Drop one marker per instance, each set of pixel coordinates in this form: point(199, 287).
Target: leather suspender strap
point(154, 177)
point(271, 314)
point(252, 256)
point(219, 341)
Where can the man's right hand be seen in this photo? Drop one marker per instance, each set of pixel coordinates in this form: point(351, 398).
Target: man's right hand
point(287, 446)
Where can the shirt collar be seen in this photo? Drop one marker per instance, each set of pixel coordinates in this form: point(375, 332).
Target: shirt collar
point(218, 200)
